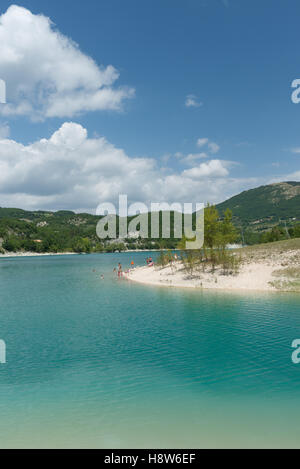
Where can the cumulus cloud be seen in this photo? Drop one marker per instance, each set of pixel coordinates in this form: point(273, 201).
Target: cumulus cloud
point(212, 146)
point(68, 170)
point(213, 168)
point(46, 73)
point(72, 171)
point(192, 101)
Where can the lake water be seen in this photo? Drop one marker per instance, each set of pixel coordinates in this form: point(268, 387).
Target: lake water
point(112, 364)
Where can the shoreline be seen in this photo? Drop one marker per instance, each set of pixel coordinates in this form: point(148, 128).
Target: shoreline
point(36, 254)
point(40, 254)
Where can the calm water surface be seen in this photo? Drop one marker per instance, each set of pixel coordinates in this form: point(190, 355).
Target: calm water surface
point(112, 364)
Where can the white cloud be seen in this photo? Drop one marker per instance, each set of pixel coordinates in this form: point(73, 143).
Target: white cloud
point(188, 159)
point(295, 176)
point(201, 142)
point(193, 157)
point(211, 169)
point(69, 170)
point(192, 101)
point(46, 73)
point(212, 146)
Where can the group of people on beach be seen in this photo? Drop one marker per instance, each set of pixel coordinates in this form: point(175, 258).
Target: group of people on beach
point(119, 270)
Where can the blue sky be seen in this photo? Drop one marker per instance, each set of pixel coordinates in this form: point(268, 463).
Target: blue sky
point(237, 58)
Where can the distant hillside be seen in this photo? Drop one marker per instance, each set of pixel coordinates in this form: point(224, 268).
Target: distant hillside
point(268, 213)
point(41, 215)
point(42, 231)
point(62, 231)
point(266, 204)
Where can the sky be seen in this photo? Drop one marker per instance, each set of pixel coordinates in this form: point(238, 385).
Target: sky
point(165, 101)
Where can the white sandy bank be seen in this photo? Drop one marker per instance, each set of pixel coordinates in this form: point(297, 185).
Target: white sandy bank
point(252, 276)
point(36, 254)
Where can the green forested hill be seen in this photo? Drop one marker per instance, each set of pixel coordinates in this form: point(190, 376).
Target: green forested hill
point(267, 213)
point(266, 204)
point(62, 231)
point(46, 231)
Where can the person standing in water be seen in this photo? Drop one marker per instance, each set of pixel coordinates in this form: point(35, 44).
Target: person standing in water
point(120, 271)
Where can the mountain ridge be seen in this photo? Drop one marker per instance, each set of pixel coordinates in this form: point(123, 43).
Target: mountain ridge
point(272, 202)
point(269, 203)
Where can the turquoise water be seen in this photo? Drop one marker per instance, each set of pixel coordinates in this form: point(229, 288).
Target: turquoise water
point(112, 364)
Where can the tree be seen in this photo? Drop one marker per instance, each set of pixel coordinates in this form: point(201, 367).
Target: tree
point(12, 245)
point(211, 226)
point(227, 231)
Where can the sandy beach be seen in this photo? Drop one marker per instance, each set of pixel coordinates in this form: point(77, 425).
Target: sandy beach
point(251, 277)
point(260, 270)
